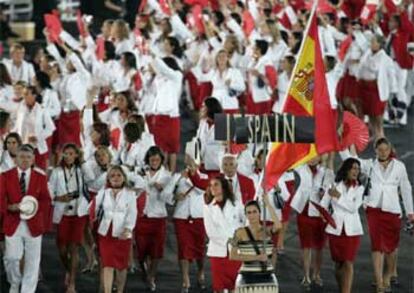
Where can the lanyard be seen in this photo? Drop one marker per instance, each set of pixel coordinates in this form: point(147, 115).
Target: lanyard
point(66, 180)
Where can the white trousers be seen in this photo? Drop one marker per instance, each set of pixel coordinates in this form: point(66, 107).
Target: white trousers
point(22, 243)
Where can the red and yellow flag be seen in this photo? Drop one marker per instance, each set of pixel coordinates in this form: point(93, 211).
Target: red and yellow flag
point(307, 96)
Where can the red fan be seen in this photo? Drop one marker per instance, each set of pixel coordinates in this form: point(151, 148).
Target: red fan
point(236, 149)
point(355, 132)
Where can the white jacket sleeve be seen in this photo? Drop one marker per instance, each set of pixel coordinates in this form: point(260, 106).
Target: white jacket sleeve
point(54, 106)
point(236, 28)
point(53, 184)
point(162, 68)
point(131, 214)
point(68, 39)
point(53, 51)
point(237, 82)
point(180, 28)
point(406, 191)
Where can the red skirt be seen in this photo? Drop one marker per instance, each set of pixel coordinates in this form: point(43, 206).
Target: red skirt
point(166, 131)
point(114, 252)
point(191, 238)
point(150, 237)
point(258, 108)
point(311, 231)
point(68, 128)
point(384, 230)
point(70, 230)
point(224, 273)
point(370, 100)
point(343, 248)
point(194, 90)
point(348, 87)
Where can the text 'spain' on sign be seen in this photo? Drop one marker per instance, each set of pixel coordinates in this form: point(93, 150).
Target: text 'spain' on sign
point(260, 128)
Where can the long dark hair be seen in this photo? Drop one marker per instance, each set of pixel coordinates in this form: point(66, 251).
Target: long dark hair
point(177, 51)
point(213, 107)
point(14, 135)
point(342, 174)
point(226, 188)
point(4, 75)
point(43, 80)
point(130, 60)
point(103, 130)
point(153, 151)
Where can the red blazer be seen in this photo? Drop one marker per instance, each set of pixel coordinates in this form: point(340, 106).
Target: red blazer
point(10, 194)
point(247, 188)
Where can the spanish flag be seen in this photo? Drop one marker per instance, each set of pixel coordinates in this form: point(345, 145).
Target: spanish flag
point(307, 96)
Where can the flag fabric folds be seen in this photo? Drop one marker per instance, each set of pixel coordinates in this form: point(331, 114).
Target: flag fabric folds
point(307, 96)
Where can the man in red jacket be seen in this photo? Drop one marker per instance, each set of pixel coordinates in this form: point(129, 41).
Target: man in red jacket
point(243, 187)
point(23, 237)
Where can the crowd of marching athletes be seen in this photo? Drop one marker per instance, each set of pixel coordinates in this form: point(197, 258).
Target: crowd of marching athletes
point(91, 129)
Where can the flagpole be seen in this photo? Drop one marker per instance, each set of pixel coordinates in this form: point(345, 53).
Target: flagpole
point(302, 45)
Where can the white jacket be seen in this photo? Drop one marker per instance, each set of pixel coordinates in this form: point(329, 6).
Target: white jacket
point(95, 177)
point(24, 73)
point(51, 103)
point(346, 215)
point(260, 94)
point(309, 186)
point(221, 224)
point(58, 187)
point(6, 162)
point(211, 149)
point(192, 205)
point(383, 67)
point(134, 157)
point(156, 200)
point(43, 127)
point(386, 185)
point(169, 88)
point(73, 87)
point(121, 211)
point(220, 89)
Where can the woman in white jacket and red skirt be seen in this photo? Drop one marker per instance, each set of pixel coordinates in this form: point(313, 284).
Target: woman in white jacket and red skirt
point(152, 215)
point(115, 211)
point(345, 197)
point(223, 215)
point(70, 212)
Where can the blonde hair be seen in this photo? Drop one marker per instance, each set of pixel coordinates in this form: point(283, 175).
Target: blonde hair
point(122, 29)
point(116, 168)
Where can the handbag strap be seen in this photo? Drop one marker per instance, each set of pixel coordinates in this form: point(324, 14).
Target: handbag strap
point(251, 238)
